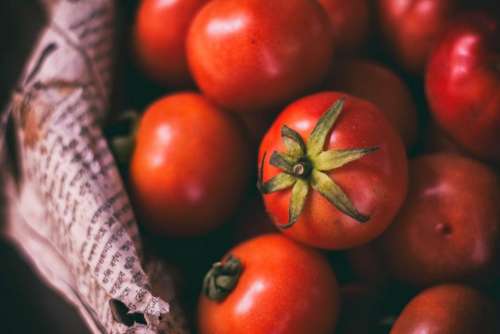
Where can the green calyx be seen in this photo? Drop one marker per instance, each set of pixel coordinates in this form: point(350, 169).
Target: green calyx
point(222, 278)
point(304, 165)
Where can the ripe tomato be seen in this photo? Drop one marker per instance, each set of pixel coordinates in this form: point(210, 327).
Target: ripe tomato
point(357, 171)
point(255, 55)
point(350, 23)
point(190, 165)
point(160, 39)
point(269, 284)
point(382, 87)
point(450, 308)
point(411, 28)
point(463, 85)
point(449, 227)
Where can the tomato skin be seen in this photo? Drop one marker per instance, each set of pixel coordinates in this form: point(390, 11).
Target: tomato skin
point(383, 88)
point(463, 85)
point(447, 309)
point(376, 184)
point(160, 34)
point(284, 288)
point(350, 22)
point(190, 165)
point(449, 227)
point(411, 28)
point(246, 58)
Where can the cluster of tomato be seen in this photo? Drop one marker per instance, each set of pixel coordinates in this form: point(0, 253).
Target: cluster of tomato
point(332, 168)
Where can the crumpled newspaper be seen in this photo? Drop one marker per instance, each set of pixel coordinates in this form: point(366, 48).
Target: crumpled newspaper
point(68, 211)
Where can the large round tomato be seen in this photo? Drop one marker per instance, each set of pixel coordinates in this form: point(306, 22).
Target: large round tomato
point(255, 55)
point(350, 23)
point(190, 165)
point(411, 28)
point(463, 85)
point(448, 309)
point(160, 38)
point(449, 227)
point(334, 171)
point(383, 88)
point(269, 284)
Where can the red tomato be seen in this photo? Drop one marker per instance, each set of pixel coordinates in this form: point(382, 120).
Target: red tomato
point(382, 87)
point(275, 286)
point(190, 165)
point(363, 172)
point(463, 85)
point(449, 227)
point(160, 39)
point(448, 309)
point(411, 28)
point(350, 22)
point(255, 55)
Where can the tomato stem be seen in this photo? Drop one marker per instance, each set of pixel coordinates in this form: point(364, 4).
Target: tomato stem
point(304, 164)
point(222, 278)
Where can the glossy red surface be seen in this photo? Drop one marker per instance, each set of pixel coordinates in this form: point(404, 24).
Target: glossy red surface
point(160, 34)
point(463, 85)
point(255, 55)
point(190, 167)
point(376, 184)
point(447, 309)
point(285, 288)
point(411, 28)
point(449, 227)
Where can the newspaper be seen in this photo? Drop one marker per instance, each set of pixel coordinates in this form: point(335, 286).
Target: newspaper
point(68, 212)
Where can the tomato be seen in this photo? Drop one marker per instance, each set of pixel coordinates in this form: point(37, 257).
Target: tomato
point(346, 196)
point(449, 227)
point(350, 23)
point(190, 165)
point(160, 33)
point(269, 284)
point(463, 85)
point(256, 55)
point(448, 309)
point(382, 87)
point(411, 28)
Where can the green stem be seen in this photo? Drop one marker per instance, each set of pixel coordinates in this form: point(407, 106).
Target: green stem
point(222, 278)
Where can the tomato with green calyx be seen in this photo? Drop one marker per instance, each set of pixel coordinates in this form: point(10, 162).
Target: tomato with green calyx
point(342, 186)
point(269, 284)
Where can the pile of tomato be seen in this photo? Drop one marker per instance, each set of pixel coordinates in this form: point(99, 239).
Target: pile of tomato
point(321, 166)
